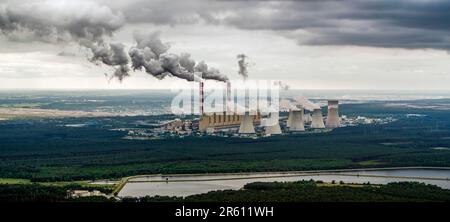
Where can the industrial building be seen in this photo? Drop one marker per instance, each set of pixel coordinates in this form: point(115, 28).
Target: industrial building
point(210, 122)
point(223, 120)
point(303, 114)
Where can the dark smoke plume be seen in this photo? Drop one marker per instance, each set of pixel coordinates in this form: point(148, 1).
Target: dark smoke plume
point(243, 65)
point(150, 54)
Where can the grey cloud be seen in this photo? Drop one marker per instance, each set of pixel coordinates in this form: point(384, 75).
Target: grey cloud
point(66, 54)
point(58, 21)
point(85, 22)
point(376, 23)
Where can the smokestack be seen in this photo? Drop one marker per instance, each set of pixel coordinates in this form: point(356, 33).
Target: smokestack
point(274, 129)
point(297, 121)
point(202, 97)
point(333, 120)
point(247, 125)
point(317, 119)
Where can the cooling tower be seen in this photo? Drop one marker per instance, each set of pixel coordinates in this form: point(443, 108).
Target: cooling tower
point(274, 129)
point(289, 120)
point(307, 118)
point(297, 121)
point(317, 119)
point(247, 125)
point(333, 120)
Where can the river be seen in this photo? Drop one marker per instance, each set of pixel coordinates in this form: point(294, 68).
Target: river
point(185, 185)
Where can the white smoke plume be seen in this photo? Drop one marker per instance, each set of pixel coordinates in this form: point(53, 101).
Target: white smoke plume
point(151, 54)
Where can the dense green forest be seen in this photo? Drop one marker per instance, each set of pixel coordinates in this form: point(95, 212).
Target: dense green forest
point(46, 150)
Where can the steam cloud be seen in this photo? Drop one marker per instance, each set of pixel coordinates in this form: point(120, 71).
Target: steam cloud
point(243, 65)
point(90, 24)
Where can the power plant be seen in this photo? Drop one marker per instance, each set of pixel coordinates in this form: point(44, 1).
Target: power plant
point(302, 115)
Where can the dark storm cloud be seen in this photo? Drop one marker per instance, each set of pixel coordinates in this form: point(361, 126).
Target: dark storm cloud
point(58, 21)
point(381, 23)
point(84, 22)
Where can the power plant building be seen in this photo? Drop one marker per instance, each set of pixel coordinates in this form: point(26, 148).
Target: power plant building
point(223, 120)
point(209, 122)
point(304, 112)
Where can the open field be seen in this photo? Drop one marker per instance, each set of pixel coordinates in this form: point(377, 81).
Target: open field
point(9, 113)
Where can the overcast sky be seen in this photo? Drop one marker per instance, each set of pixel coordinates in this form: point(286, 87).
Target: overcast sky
point(328, 44)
